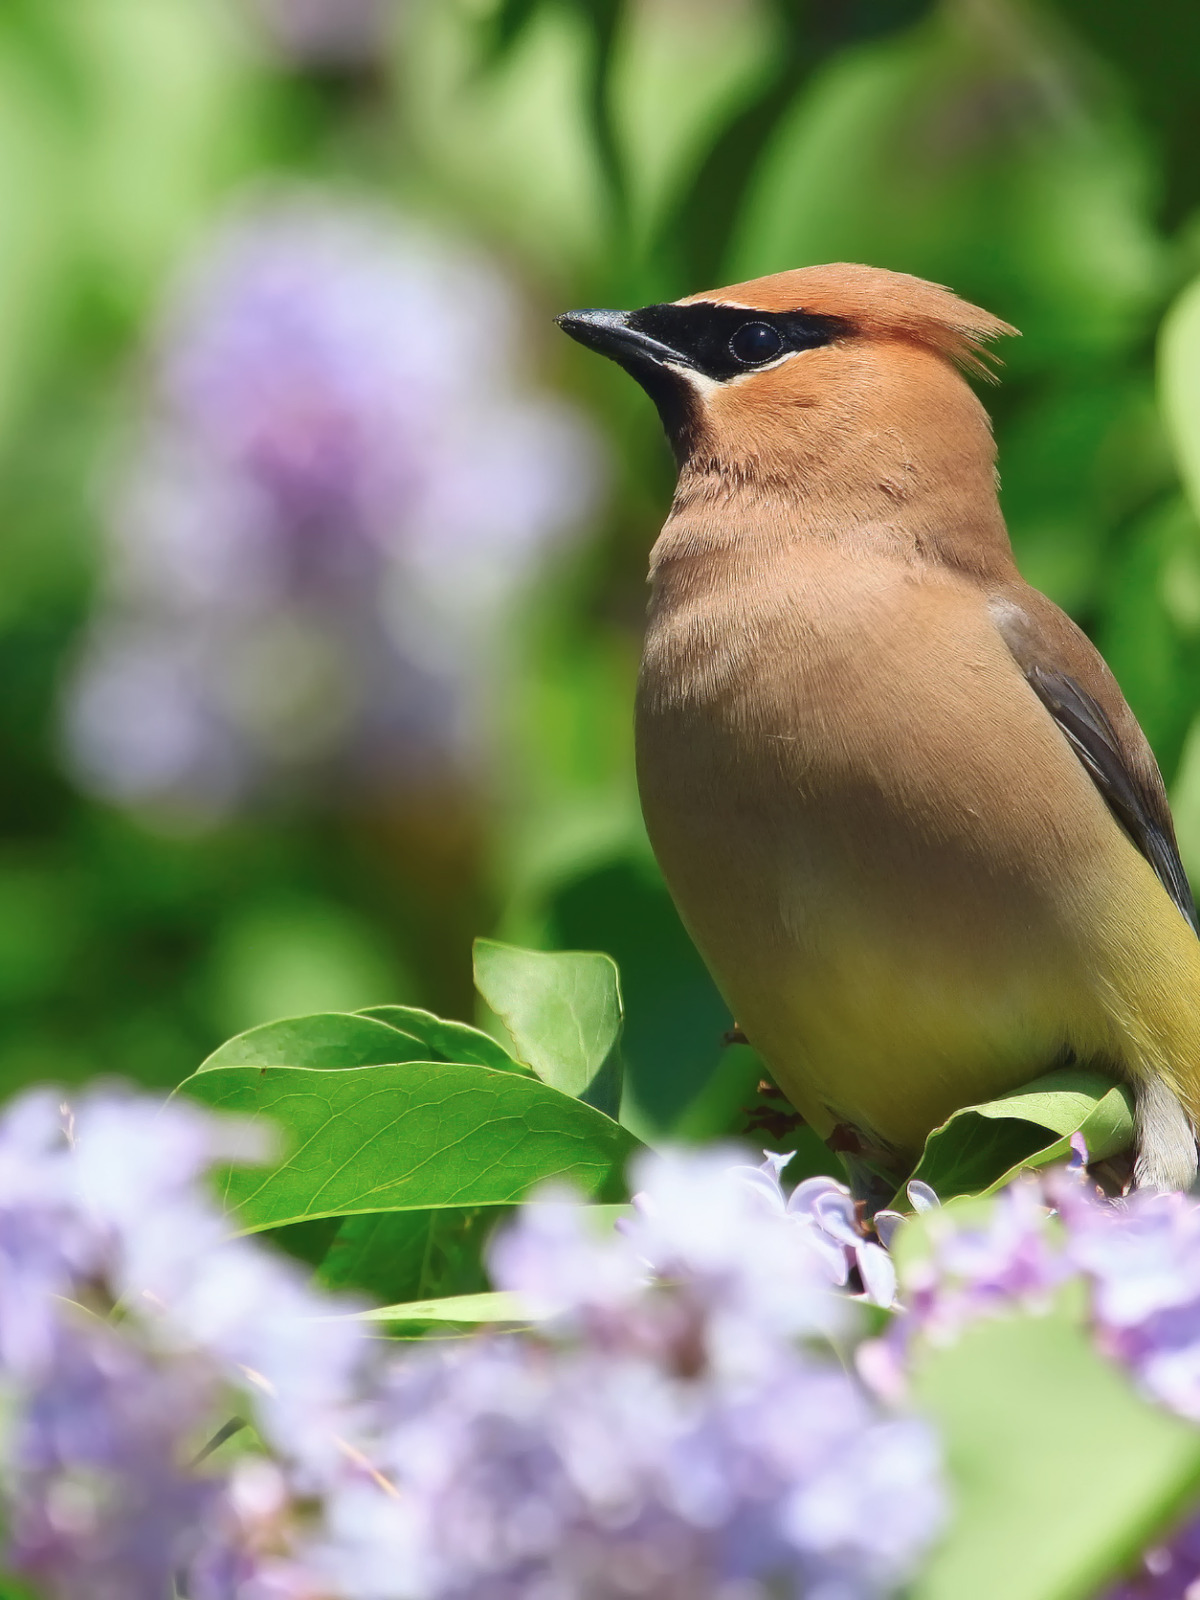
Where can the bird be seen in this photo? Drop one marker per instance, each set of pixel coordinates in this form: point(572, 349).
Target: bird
point(897, 796)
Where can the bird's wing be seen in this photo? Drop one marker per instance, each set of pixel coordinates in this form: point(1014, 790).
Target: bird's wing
point(1071, 679)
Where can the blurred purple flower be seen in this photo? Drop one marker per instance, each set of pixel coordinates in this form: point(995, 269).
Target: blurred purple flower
point(680, 1427)
point(127, 1320)
point(1008, 1259)
point(102, 1506)
point(342, 489)
point(327, 33)
point(524, 1471)
point(1167, 1571)
point(1139, 1257)
point(683, 1425)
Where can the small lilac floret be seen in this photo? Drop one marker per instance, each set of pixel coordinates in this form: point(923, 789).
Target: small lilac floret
point(921, 1197)
point(886, 1223)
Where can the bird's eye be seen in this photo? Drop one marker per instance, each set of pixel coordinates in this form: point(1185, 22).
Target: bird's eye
point(755, 342)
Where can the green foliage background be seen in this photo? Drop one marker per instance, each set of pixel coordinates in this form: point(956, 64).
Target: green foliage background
point(1039, 158)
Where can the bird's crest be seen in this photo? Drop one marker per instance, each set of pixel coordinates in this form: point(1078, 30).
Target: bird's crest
point(877, 303)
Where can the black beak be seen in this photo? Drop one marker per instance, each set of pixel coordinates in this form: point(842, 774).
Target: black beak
point(653, 363)
point(611, 334)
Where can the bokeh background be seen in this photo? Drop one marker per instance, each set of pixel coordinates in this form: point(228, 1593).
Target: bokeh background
point(322, 553)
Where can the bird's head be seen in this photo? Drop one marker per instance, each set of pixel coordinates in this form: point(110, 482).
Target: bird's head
point(762, 379)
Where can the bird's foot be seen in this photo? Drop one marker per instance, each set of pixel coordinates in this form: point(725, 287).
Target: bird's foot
point(1114, 1176)
point(734, 1035)
point(871, 1168)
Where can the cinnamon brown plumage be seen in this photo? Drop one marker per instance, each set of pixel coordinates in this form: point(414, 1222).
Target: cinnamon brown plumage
point(899, 799)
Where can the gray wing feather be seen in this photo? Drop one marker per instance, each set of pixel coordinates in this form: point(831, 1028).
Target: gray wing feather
point(1093, 739)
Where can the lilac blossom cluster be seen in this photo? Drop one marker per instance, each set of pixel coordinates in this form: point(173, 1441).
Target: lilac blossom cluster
point(1139, 1258)
point(678, 1427)
point(683, 1415)
point(128, 1325)
point(340, 488)
point(679, 1421)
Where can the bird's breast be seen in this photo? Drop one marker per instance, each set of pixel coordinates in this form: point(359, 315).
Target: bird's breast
point(858, 805)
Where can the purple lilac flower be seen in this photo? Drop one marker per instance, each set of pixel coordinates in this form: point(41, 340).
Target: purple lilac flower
point(101, 1504)
point(680, 1426)
point(327, 33)
point(524, 1470)
point(128, 1321)
point(342, 486)
point(1139, 1257)
point(682, 1423)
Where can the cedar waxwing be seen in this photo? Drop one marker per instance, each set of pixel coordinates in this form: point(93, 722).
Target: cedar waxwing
point(900, 802)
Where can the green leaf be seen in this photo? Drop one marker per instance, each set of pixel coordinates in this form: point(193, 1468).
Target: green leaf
point(1179, 386)
point(496, 1306)
point(14, 1588)
point(447, 1041)
point(408, 1136)
point(672, 1039)
point(563, 1010)
point(324, 1039)
point(981, 1147)
point(410, 1255)
point(1060, 1473)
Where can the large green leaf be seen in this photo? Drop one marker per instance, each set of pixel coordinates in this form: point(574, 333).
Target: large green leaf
point(408, 1136)
point(981, 1147)
point(324, 1039)
point(563, 1010)
point(447, 1041)
point(1059, 1472)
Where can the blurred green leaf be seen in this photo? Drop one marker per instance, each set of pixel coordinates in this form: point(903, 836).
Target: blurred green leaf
point(1179, 385)
point(699, 230)
point(1136, 626)
point(291, 954)
point(505, 26)
point(1060, 1474)
point(31, 28)
point(408, 1136)
point(1152, 53)
point(323, 1039)
point(451, 1041)
point(981, 1147)
point(601, 21)
point(1185, 803)
point(563, 1010)
point(875, 163)
point(12, 1588)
